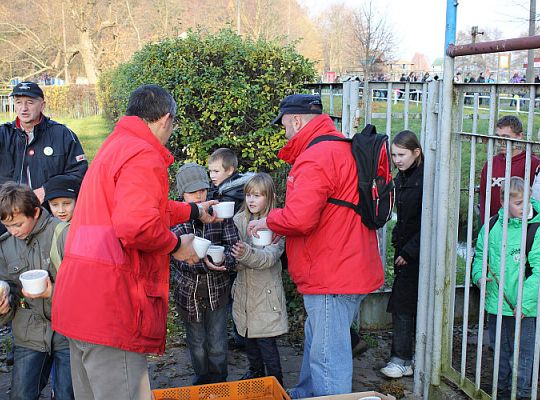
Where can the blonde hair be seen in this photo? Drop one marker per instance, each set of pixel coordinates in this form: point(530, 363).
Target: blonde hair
point(516, 187)
point(265, 185)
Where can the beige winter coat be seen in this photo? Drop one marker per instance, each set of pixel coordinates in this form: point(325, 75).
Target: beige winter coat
point(259, 305)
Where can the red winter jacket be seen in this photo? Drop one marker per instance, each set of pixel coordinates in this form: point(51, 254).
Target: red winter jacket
point(330, 250)
point(112, 286)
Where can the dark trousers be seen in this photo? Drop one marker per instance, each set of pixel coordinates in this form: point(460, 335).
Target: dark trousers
point(404, 327)
point(526, 352)
point(261, 353)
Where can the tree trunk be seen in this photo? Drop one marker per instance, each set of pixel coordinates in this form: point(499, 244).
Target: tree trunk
point(86, 47)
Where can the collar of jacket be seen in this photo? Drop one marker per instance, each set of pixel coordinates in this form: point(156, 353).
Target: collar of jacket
point(320, 125)
point(516, 222)
point(137, 127)
point(40, 126)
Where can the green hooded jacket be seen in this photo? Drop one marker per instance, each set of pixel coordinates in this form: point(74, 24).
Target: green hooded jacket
point(513, 251)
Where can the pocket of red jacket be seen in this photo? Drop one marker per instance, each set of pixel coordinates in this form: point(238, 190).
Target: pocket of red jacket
point(152, 312)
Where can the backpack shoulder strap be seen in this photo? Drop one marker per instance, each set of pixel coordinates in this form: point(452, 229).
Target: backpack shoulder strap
point(493, 221)
point(531, 233)
point(327, 138)
point(56, 260)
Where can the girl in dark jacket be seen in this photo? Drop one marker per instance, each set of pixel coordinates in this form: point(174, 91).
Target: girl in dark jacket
point(408, 158)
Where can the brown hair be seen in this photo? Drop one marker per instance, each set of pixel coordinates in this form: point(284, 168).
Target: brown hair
point(226, 156)
point(265, 185)
point(512, 122)
point(409, 141)
point(16, 198)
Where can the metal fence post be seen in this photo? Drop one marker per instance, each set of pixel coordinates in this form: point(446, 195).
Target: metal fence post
point(422, 364)
point(346, 109)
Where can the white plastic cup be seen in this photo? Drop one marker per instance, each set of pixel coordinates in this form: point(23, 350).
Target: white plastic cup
point(34, 281)
point(200, 245)
point(217, 253)
point(224, 209)
point(264, 239)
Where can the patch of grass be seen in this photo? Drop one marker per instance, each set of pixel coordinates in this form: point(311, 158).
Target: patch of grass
point(370, 340)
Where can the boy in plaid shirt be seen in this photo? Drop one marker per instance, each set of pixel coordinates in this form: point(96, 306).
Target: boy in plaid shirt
point(202, 290)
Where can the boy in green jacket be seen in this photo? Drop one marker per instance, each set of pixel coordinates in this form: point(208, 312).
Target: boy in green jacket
point(511, 281)
point(31, 233)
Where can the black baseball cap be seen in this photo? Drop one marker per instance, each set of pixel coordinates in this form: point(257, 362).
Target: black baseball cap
point(299, 104)
point(29, 89)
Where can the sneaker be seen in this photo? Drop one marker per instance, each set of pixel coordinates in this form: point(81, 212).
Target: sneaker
point(393, 370)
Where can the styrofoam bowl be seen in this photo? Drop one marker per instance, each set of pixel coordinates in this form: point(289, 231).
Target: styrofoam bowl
point(264, 239)
point(224, 209)
point(34, 281)
point(217, 253)
point(200, 245)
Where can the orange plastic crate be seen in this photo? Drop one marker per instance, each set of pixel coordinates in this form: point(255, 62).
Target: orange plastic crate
point(267, 388)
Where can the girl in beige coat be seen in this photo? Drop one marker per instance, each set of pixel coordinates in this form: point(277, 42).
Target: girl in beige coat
point(259, 307)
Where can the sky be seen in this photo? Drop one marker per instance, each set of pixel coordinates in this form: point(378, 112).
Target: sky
point(419, 25)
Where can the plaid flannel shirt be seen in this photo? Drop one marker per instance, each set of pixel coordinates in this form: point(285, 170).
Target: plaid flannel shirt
point(188, 277)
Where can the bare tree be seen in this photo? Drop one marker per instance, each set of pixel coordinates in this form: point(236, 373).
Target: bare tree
point(337, 35)
point(373, 38)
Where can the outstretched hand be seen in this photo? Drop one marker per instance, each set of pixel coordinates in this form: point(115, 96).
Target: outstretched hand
point(186, 252)
point(205, 216)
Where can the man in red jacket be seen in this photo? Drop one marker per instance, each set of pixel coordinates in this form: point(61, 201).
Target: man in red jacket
point(111, 293)
point(333, 257)
point(509, 127)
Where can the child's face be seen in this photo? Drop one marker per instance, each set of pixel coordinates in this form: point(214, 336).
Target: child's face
point(217, 173)
point(62, 208)
point(196, 197)
point(404, 158)
point(506, 132)
point(515, 207)
point(19, 225)
point(256, 202)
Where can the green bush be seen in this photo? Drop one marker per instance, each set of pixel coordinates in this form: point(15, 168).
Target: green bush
point(227, 89)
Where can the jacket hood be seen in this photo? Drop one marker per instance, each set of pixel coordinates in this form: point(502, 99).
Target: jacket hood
point(318, 126)
point(235, 181)
point(137, 127)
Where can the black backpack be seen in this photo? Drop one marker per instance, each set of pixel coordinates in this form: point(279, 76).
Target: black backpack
point(375, 185)
point(531, 232)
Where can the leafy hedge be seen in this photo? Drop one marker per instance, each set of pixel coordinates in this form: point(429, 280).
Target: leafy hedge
point(227, 89)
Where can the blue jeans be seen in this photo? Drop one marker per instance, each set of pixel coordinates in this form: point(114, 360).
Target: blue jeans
point(327, 362)
point(207, 344)
point(526, 352)
point(31, 370)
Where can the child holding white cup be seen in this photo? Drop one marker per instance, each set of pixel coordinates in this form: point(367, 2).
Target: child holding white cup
point(259, 305)
point(201, 290)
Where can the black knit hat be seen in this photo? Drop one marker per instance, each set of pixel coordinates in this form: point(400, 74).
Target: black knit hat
point(61, 186)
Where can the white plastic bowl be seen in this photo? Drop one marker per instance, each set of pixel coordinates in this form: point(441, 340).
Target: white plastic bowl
point(224, 209)
point(34, 281)
point(264, 239)
point(201, 246)
point(217, 253)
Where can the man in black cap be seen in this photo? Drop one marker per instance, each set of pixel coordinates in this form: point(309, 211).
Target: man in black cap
point(34, 148)
point(333, 257)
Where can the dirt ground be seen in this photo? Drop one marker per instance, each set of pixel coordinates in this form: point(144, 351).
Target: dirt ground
point(173, 369)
